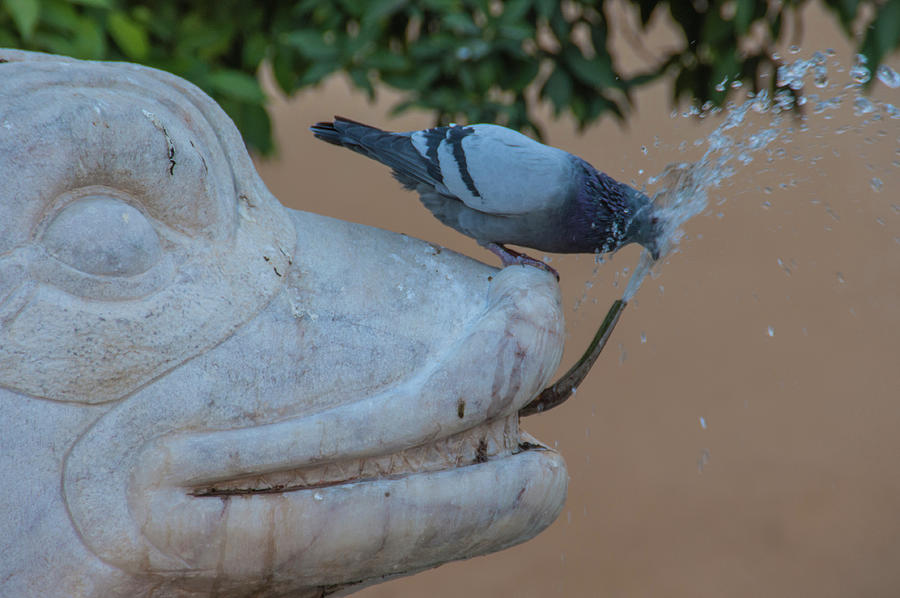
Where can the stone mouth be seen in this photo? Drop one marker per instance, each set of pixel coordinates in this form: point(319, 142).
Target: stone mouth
point(492, 440)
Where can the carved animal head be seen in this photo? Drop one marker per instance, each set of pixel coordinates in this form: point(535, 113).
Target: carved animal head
point(204, 393)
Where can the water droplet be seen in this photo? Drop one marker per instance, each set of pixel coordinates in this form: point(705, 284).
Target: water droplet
point(721, 85)
point(859, 72)
point(702, 460)
point(820, 76)
point(876, 184)
point(771, 331)
point(318, 496)
point(784, 99)
point(644, 149)
point(862, 106)
point(702, 422)
point(643, 337)
point(766, 204)
point(888, 76)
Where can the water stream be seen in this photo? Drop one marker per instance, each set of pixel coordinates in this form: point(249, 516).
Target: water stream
point(811, 95)
point(809, 98)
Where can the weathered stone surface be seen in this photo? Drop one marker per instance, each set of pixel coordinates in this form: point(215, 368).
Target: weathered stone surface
point(204, 393)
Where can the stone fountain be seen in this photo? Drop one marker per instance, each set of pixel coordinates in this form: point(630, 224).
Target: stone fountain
point(207, 394)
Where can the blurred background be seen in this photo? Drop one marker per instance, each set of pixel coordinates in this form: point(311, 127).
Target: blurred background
point(740, 435)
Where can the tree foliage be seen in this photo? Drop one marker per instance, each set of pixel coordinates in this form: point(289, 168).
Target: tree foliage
point(468, 60)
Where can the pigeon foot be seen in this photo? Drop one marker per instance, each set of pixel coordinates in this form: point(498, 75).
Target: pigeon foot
point(509, 258)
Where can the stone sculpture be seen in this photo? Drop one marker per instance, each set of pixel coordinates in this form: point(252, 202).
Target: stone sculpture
point(204, 393)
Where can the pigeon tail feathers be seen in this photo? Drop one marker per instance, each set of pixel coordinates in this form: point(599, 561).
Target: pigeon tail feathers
point(392, 149)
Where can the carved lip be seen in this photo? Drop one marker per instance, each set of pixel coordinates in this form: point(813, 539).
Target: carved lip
point(492, 440)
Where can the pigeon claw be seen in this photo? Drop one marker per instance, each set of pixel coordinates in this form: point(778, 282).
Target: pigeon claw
point(511, 258)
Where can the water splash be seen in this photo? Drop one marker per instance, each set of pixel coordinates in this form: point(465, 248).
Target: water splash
point(749, 129)
point(888, 76)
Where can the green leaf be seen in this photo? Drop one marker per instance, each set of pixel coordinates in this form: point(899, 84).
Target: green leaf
point(596, 72)
point(546, 8)
point(60, 14)
point(53, 43)
point(384, 60)
point(599, 35)
point(316, 72)
point(237, 85)
point(256, 128)
point(360, 78)
point(743, 15)
point(516, 31)
point(285, 71)
point(514, 11)
point(846, 12)
point(93, 3)
point(311, 43)
point(128, 35)
point(254, 50)
point(558, 89)
point(518, 75)
point(379, 9)
point(883, 35)
point(25, 13)
point(89, 41)
point(460, 23)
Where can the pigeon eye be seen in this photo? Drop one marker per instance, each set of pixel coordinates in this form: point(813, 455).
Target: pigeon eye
point(103, 235)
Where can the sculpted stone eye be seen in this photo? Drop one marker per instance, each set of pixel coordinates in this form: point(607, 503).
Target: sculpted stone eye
point(103, 235)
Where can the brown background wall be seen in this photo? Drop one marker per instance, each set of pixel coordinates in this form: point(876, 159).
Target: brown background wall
point(800, 492)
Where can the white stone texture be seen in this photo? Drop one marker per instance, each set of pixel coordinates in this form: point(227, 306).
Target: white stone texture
point(204, 393)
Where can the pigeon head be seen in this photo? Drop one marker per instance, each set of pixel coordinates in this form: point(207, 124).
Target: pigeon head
point(644, 226)
point(617, 215)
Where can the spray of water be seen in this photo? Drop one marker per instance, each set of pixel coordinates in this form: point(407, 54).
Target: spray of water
point(746, 130)
point(682, 188)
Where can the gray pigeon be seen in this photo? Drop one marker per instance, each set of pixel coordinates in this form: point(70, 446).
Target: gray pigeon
point(499, 186)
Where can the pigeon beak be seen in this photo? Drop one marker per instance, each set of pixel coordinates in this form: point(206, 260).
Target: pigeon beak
point(653, 243)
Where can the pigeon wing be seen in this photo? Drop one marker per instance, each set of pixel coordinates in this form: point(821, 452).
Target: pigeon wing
point(489, 168)
point(496, 170)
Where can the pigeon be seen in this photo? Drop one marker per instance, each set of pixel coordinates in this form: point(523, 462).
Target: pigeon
point(501, 187)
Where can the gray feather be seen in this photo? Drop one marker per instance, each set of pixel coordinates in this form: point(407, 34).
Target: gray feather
point(499, 186)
